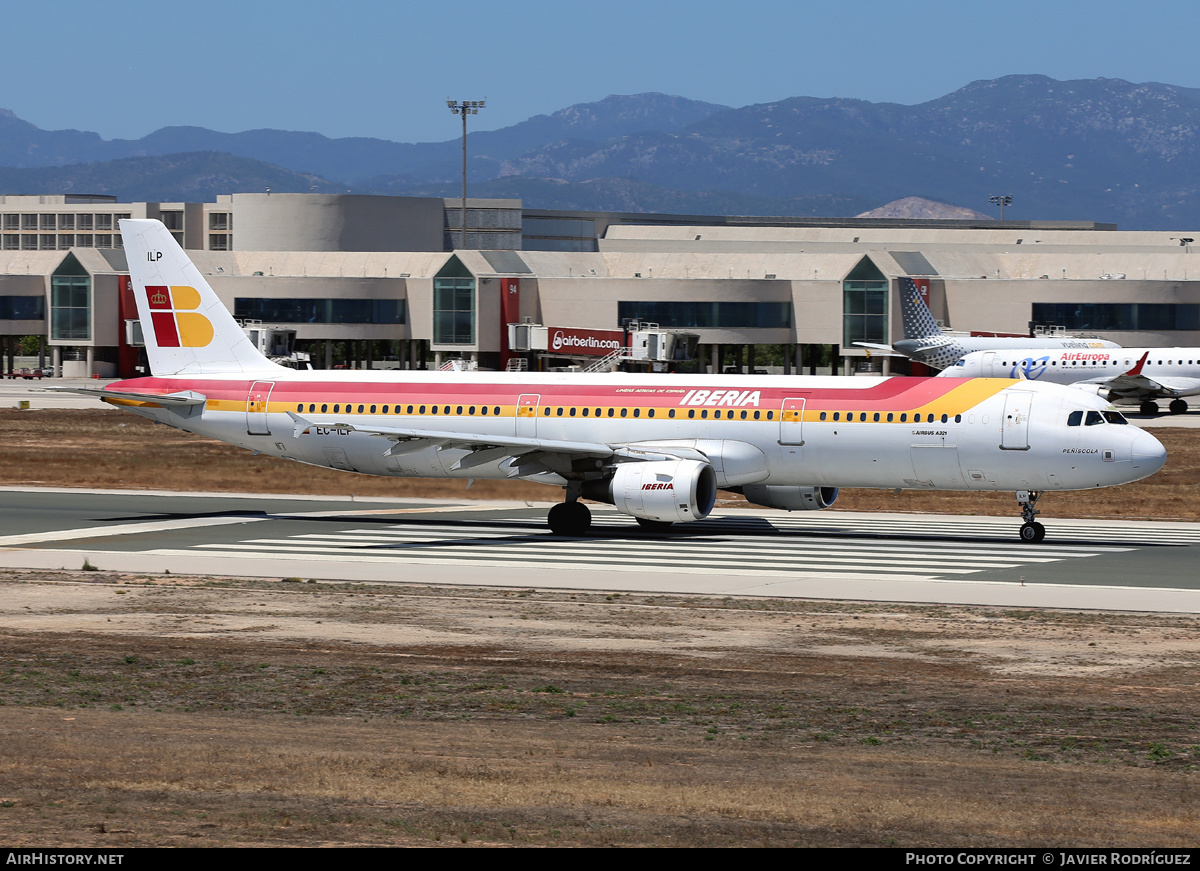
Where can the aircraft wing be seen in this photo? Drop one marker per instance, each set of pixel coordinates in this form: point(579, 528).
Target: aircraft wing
point(1136, 385)
point(182, 398)
point(1142, 387)
point(486, 448)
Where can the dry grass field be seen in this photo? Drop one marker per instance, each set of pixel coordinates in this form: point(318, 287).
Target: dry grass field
point(202, 711)
point(144, 711)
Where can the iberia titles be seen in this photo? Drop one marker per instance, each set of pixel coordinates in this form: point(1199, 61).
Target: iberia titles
point(735, 398)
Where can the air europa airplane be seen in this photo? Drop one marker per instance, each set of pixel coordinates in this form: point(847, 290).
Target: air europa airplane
point(658, 447)
point(925, 342)
point(1129, 375)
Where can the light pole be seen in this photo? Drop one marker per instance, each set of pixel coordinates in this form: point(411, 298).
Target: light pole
point(1000, 200)
point(465, 108)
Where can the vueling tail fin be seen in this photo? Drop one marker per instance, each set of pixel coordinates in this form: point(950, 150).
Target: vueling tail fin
point(186, 328)
point(919, 322)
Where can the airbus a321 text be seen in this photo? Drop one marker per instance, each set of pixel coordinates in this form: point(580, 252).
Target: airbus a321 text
point(658, 447)
point(1135, 375)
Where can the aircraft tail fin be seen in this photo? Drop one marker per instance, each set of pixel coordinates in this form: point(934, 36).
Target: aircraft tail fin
point(186, 328)
point(919, 322)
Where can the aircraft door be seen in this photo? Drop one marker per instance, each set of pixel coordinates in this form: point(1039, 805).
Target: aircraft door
point(1014, 434)
point(791, 421)
point(987, 366)
point(527, 410)
point(256, 407)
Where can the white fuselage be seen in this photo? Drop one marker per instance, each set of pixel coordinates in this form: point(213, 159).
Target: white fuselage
point(1137, 375)
point(787, 431)
point(942, 351)
point(1071, 366)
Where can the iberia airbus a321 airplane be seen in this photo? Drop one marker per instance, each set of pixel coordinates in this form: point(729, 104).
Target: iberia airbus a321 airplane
point(658, 447)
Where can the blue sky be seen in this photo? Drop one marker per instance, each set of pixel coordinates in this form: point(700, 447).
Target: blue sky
point(385, 69)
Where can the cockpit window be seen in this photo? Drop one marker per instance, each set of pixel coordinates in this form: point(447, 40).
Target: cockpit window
point(1115, 417)
point(1075, 418)
point(1094, 417)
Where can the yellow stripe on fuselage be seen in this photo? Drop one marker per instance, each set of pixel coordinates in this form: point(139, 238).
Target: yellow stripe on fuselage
point(958, 399)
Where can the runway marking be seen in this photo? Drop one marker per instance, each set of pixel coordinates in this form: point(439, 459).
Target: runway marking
point(722, 550)
point(599, 563)
point(1163, 532)
point(930, 527)
point(850, 546)
point(120, 529)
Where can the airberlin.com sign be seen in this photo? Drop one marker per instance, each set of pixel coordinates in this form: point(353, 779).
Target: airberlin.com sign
point(592, 343)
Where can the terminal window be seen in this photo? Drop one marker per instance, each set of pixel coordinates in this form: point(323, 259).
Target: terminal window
point(1155, 316)
point(864, 311)
point(320, 311)
point(707, 315)
point(454, 311)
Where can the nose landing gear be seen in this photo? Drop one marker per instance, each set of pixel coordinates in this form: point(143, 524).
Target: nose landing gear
point(1031, 531)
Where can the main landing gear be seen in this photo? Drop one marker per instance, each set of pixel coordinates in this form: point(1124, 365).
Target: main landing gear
point(1031, 531)
point(1176, 406)
point(569, 518)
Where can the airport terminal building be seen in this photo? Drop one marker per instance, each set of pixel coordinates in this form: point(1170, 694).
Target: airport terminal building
point(397, 281)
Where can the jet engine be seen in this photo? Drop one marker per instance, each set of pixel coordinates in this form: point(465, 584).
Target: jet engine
point(790, 498)
point(668, 491)
point(1101, 390)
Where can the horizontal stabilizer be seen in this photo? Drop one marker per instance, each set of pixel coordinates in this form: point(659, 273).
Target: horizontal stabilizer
point(182, 398)
point(885, 350)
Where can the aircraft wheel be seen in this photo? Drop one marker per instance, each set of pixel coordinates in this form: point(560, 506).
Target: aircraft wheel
point(569, 518)
point(1178, 406)
point(1149, 408)
point(1032, 533)
point(654, 525)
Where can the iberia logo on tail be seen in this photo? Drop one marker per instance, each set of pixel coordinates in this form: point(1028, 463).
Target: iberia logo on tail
point(176, 323)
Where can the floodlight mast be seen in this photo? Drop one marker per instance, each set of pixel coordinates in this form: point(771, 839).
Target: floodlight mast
point(464, 108)
point(1000, 200)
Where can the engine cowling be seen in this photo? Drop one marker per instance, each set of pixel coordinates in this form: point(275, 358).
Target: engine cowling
point(1100, 390)
point(670, 491)
point(790, 498)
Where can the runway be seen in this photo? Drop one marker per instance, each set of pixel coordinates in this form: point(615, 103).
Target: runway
point(1089, 564)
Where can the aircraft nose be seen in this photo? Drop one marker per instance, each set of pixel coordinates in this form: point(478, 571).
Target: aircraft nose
point(1148, 454)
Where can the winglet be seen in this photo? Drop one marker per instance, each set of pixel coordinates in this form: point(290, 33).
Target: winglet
point(1137, 370)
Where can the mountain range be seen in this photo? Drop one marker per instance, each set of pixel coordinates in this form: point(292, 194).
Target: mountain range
point(1099, 149)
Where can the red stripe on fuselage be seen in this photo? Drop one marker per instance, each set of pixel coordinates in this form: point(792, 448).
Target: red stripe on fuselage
point(893, 394)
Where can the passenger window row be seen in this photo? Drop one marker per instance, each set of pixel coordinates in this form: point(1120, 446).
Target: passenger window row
point(890, 417)
point(1127, 363)
point(337, 408)
point(575, 411)
point(569, 411)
